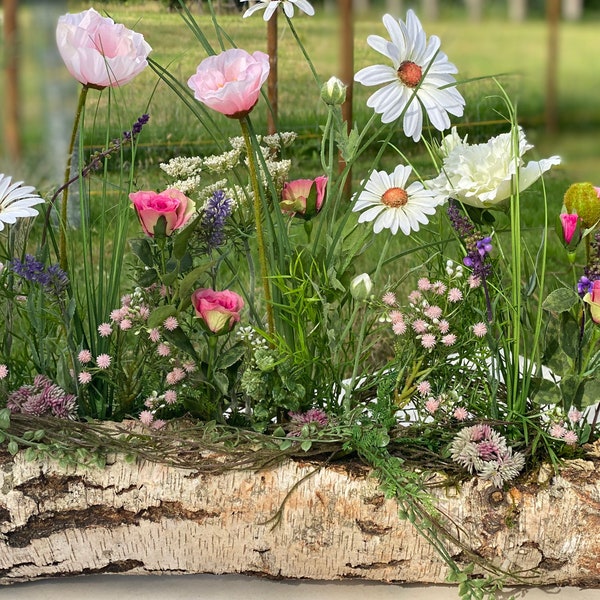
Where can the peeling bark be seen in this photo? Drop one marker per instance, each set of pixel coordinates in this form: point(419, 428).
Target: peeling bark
point(150, 518)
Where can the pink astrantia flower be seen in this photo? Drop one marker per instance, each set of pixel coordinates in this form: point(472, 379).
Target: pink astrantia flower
point(84, 377)
point(479, 329)
point(449, 339)
point(439, 287)
point(103, 361)
point(399, 327)
point(172, 205)
point(474, 282)
point(171, 324)
point(146, 417)
point(428, 341)
point(230, 82)
point(424, 387)
point(175, 376)
point(575, 415)
point(3, 371)
point(433, 312)
point(454, 295)
point(432, 405)
point(396, 316)
point(415, 296)
point(303, 197)
point(218, 311)
point(424, 284)
point(125, 325)
point(570, 438)
point(154, 335)
point(389, 298)
point(170, 396)
point(443, 326)
point(104, 329)
point(158, 424)
point(163, 350)
point(84, 357)
point(557, 431)
point(461, 413)
point(98, 52)
point(419, 326)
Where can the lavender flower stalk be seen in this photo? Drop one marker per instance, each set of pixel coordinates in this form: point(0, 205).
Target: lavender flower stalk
point(53, 279)
point(216, 211)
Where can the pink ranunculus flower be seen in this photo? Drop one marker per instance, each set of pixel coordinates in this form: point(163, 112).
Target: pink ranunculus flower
point(219, 311)
point(171, 204)
point(303, 197)
point(99, 52)
point(593, 299)
point(230, 82)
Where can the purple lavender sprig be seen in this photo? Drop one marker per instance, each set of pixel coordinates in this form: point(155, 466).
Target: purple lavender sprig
point(212, 227)
point(52, 278)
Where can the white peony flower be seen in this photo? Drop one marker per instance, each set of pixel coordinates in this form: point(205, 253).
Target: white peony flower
point(481, 175)
point(16, 201)
point(390, 205)
point(270, 7)
point(420, 77)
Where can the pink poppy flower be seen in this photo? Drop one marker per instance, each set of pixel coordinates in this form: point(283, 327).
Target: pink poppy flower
point(230, 82)
point(99, 52)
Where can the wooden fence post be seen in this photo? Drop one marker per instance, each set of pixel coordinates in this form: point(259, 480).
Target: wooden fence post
point(12, 116)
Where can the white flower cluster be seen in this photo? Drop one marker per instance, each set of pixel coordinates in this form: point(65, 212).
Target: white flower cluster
point(182, 166)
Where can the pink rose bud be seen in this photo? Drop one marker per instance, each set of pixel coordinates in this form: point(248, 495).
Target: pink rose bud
point(171, 204)
point(569, 225)
point(303, 197)
point(98, 52)
point(593, 299)
point(219, 311)
point(230, 82)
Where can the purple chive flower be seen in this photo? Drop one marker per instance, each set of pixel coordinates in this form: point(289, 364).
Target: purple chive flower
point(216, 211)
point(314, 417)
point(53, 279)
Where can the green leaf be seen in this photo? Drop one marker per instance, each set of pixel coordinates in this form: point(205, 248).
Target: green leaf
point(306, 445)
point(230, 356)
point(285, 444)
point(279, 432)
point(182, 238)
point(142, 249)
point(4, 418)
point(221, 382)
point(560, 300)
point(158, 316)
point(188, 283)
point(12, 447)
point(179, 339)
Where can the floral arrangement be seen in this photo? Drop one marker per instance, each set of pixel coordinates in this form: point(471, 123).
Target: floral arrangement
point(232, 297)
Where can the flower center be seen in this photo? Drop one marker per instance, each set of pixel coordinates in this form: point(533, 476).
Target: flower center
point(395, 197)
point(410, 73)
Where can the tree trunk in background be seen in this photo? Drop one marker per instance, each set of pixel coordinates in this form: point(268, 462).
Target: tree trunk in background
point(572, 10)
point(517, 10)
point(474, 10)
point(335, 523)
point(12, 112)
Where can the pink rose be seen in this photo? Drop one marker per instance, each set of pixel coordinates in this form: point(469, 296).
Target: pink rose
point(220, 311)
point(303, 196)
point(230, 82)
point(593, 299)
point(97, 51)
point(171, 204)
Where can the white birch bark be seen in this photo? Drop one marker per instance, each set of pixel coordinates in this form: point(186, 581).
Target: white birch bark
point(148, 518)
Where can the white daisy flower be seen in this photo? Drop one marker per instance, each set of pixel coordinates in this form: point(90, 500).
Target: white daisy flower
point(16, 201)
point(482, 175)
point(420, 77)
point(270, 7)
point(389, 204)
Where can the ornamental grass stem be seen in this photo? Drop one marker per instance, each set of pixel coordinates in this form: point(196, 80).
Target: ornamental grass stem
point(260, 239)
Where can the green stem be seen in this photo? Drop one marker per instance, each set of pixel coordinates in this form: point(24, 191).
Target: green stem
point(62, 246)
point(260, 239)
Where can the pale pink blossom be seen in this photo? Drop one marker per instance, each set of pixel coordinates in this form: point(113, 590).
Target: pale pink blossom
point(439, 287)
point(84, 377)
point(126, 300)
point(428, 341)
point(3, 371)
point(575, 415)
point(154, 335)
point(474, 282)
point(479, 329)
point(396, 316)
point(415, 296)
point(454, 295)
point(170, 396)
point(158, 424)
point(389, 298)
point(432, 405)
point(570, 438)
point(424, 387)
point(230, 82)
point(146, 417)
point(449, 339)
point(399, 327)
point(103, 361)
point(189, 367)
point(104, 329)
point(443, 326)
point(144, 312)
point(420, 326)
point(175, 376)
point(557, 431)
point(99, 52)
point(461, 413)
point(125, 324)
point(84, 357)
point(424, 284)
point(163, 350)
point(116, 315)
point(433, 312)
point(171, 323)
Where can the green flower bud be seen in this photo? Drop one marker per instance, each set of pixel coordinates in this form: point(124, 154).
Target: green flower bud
point(333, 91)
point(361, 286)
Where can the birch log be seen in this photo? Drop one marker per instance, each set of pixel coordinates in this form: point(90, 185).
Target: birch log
point(150, 518)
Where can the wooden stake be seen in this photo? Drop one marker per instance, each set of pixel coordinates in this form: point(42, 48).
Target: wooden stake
point(12, 115)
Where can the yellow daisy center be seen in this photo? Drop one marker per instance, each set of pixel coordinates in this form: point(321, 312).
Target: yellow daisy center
point(410, 73)
point(395, 197)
